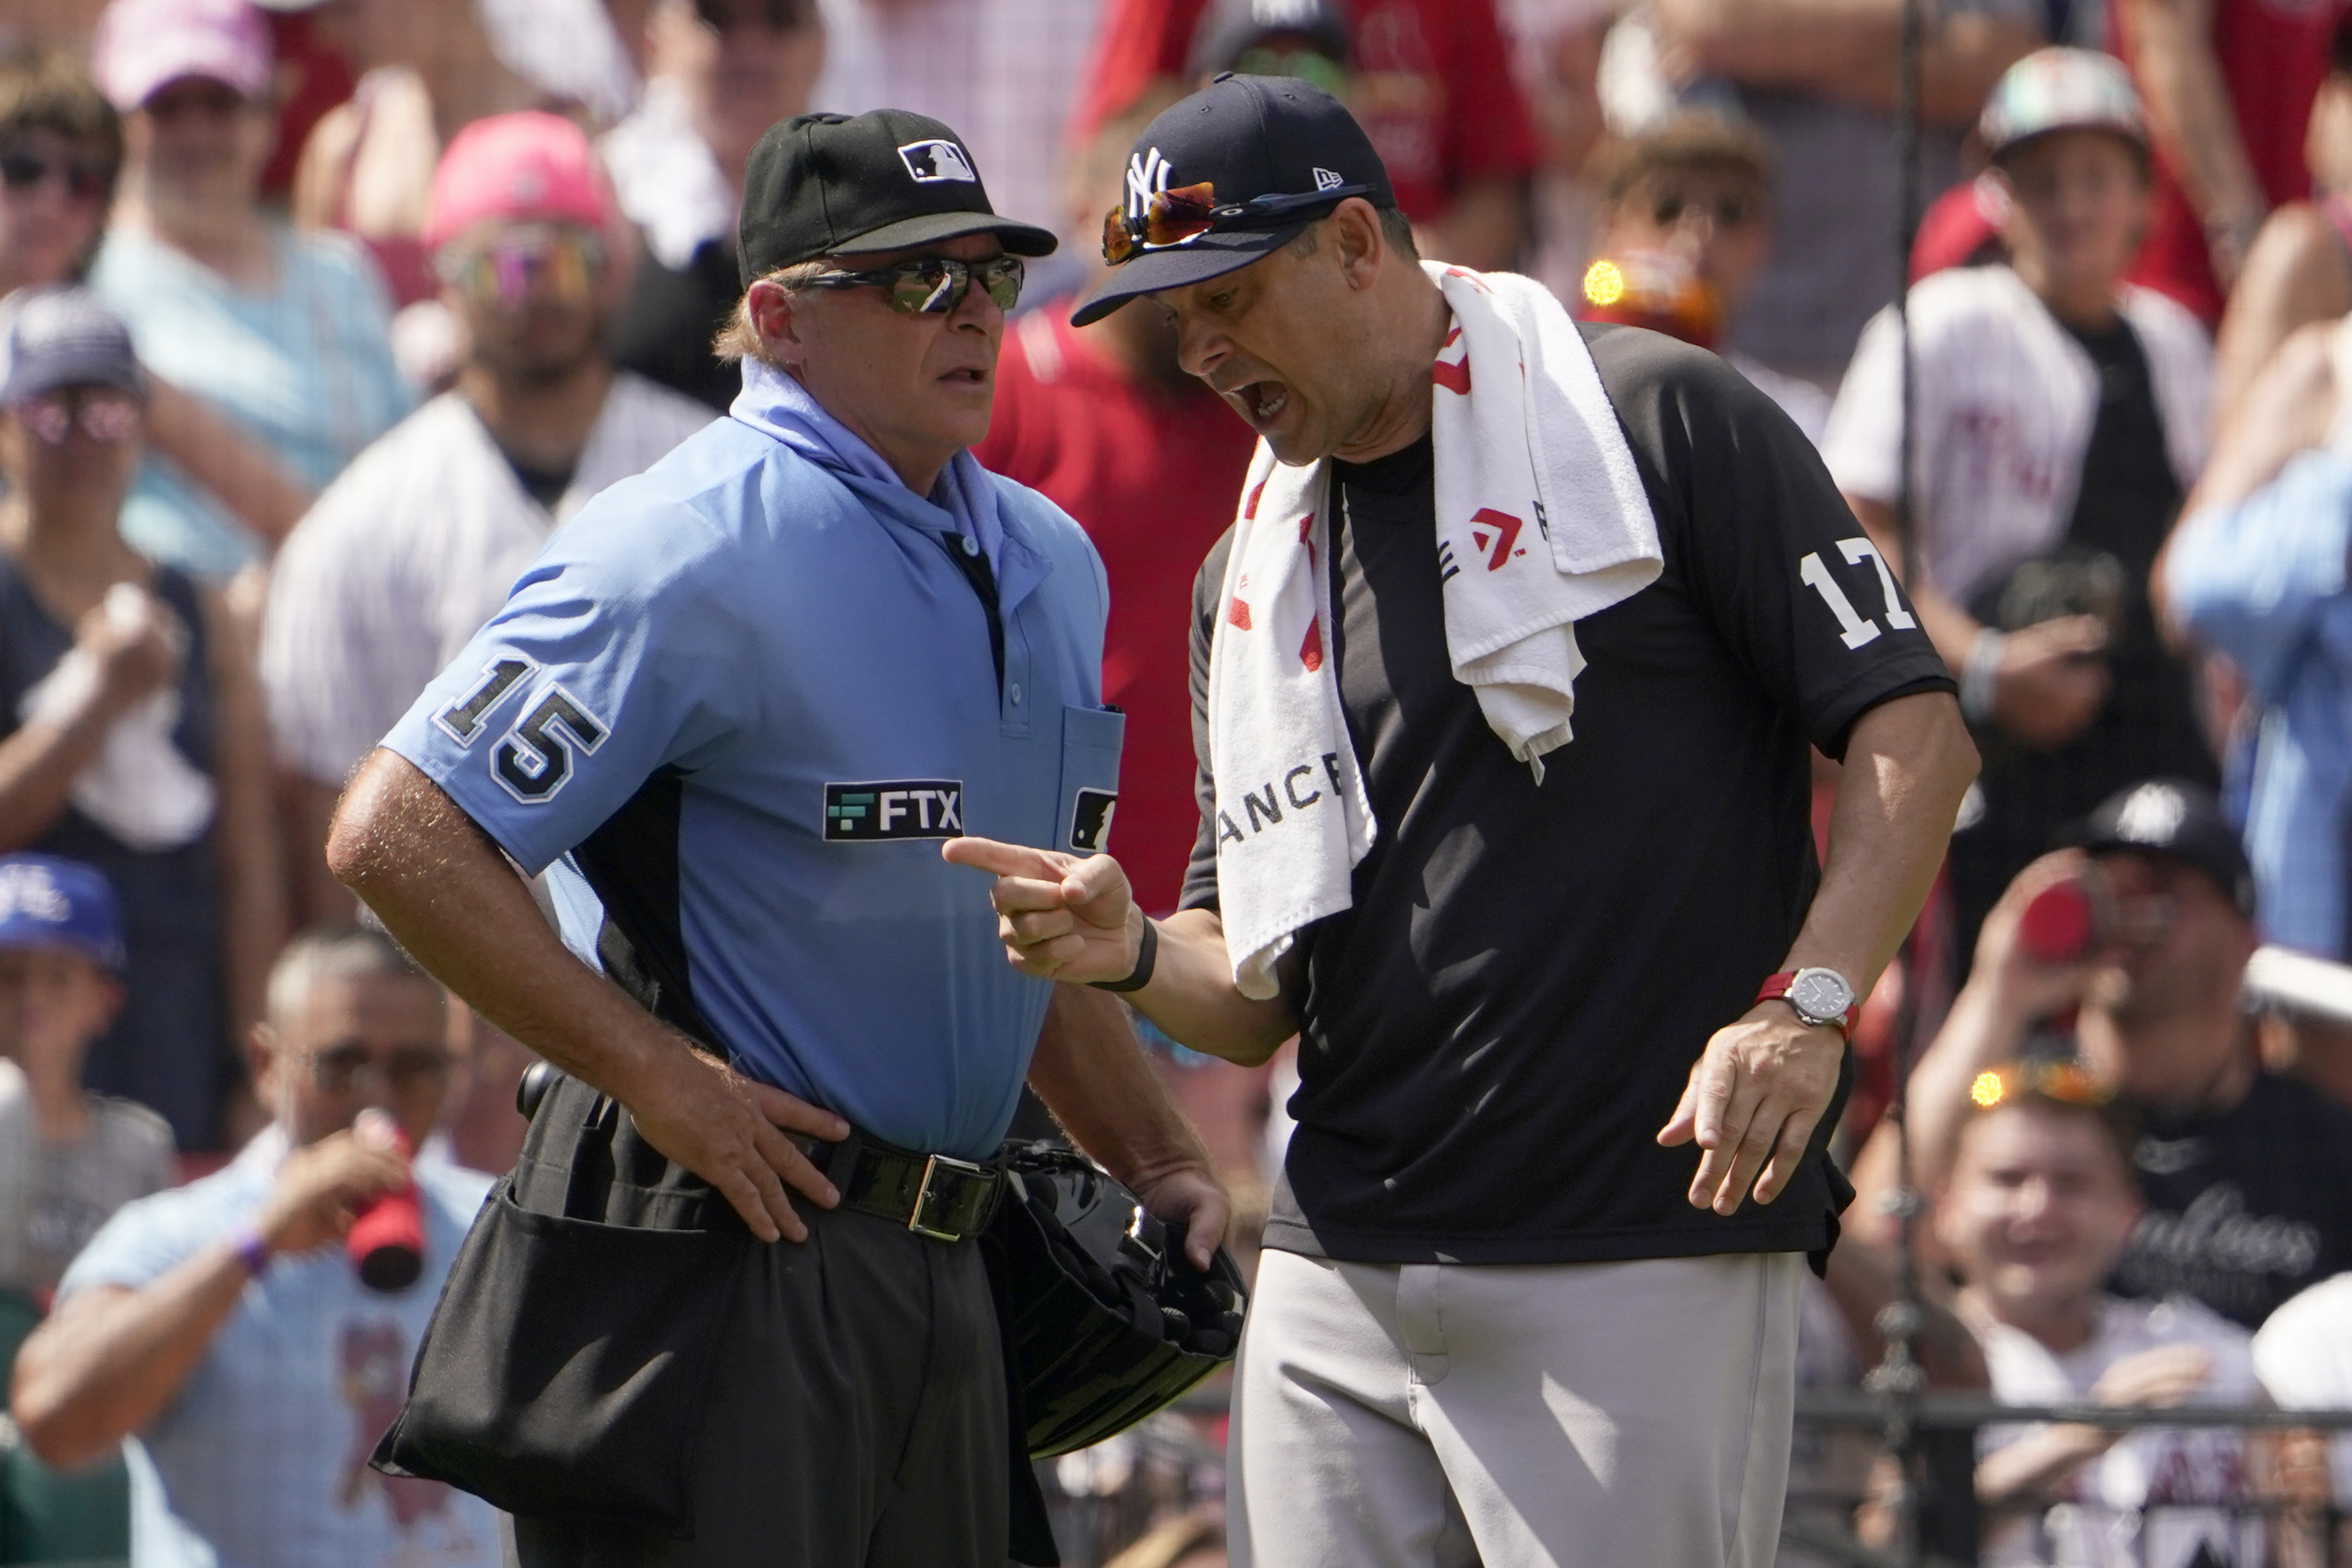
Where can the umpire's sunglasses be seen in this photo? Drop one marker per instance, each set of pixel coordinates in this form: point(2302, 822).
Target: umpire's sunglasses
point(2068, 1082)
point(933, 285)
point(1172, 218)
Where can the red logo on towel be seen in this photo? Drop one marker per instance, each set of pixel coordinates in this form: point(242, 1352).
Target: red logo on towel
point(1500, 531)
point(1237, 613)
point(1249, 508)
point(1455, 377)
point(1311, 652)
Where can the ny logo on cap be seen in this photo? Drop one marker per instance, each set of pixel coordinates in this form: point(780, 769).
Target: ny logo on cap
point(1147, 176)
point(2152, 816)
point(930, 163)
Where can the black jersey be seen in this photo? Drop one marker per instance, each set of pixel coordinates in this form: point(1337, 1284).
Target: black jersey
point(2245, 1206)
point(1496, 1030)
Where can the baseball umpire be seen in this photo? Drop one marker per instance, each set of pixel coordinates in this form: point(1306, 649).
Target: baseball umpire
point(1502, 685)
point(732, 712)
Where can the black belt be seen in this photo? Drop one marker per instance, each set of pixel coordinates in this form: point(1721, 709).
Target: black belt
point(930, 1195)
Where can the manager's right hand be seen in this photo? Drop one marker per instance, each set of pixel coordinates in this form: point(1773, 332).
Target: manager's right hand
point(727, 1129)
point(1061, 917)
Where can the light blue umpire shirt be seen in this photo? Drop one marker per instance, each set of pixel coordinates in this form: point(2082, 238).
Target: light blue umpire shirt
point(735, 706)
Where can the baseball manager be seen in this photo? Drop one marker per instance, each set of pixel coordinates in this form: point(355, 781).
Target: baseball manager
point(1502, 684)
point(732, 712)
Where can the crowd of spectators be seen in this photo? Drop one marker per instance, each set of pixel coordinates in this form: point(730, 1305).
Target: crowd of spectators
point(317, 319)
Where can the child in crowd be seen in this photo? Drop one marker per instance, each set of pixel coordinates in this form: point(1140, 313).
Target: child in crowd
point(69, 1158)
point(2040, 1204)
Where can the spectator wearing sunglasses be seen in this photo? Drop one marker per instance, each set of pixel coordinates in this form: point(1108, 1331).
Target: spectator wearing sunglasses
point(60, 150)
point(134, 740)
point(222, 1325)
point(1688, 226)
point(1820, 82)
point(285, 335)
point(408, 552)
point(60, 147)
point(2247, 1175)
point(717, 73)
point(2041, 1200)
point(732, 711)
point(2061, 417)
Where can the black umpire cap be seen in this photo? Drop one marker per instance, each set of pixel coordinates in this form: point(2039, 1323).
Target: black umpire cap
point(2181, 821)
point(1226, 176)
point(823, 185)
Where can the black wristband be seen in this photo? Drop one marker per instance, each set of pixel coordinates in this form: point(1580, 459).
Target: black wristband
point(1147, 953)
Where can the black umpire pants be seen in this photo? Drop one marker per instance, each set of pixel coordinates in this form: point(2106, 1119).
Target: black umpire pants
point(856, 1415)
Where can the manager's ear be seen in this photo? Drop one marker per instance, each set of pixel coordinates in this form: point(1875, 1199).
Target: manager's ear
point(1353, 233)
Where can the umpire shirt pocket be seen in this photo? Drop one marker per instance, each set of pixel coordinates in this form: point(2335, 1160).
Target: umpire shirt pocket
point(1090, 744)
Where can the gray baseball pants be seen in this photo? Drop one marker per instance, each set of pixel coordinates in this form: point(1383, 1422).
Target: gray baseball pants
point(1576, 1415)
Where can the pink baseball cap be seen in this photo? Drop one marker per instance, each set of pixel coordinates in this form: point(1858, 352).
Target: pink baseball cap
point(143, 44)
point(526, 167)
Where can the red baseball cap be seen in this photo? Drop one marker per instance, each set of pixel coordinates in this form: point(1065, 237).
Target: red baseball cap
point(527, 167)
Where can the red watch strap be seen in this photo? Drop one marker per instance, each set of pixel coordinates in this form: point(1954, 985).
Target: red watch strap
point(1776, 988)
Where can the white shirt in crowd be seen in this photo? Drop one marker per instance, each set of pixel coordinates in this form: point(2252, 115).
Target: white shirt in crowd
point(667, 179)
point(2303, 1354)
point(2138, 1505)
point(2006, 398)
point(409, 552)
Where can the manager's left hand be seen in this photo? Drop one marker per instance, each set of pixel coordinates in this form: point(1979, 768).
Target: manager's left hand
point(1752, 1102)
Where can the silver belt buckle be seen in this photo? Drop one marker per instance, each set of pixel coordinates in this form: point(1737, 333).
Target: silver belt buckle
point(923, 1196)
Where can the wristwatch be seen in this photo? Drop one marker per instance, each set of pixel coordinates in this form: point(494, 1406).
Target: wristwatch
point(1819, 996)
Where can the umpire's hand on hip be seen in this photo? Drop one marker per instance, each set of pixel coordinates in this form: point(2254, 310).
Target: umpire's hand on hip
point(728, 1129)
point(1062, 918)
point(1753, 1101)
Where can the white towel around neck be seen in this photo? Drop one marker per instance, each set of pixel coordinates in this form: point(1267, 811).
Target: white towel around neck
point(1541, 521)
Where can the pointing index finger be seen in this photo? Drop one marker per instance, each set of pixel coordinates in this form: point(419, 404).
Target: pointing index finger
point(1002, 859)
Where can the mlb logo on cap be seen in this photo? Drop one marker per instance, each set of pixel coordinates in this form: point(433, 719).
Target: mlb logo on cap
point(930, 162)
point(49, 903)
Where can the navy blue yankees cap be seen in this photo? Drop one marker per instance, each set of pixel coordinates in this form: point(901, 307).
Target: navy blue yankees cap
point(2178, 819)
point(1226, 176)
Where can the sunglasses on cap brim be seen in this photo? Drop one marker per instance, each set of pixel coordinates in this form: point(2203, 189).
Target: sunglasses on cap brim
point(1172, 218)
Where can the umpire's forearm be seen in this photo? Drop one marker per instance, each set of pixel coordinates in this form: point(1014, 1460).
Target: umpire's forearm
point(445, 894)
point(1092, 1074)
point(1907, 763)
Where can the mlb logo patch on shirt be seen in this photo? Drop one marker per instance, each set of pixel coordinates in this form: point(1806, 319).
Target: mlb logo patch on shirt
point(886, 810)
point(933, 162)
point(1090, 820)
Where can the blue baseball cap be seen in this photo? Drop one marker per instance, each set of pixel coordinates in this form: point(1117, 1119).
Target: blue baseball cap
point(1252, 159)
point(46, 902)
point(64, 337)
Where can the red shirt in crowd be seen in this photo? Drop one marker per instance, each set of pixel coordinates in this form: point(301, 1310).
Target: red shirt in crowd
point(1153, 475)
point(1429, 80)
point(2274, 56)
